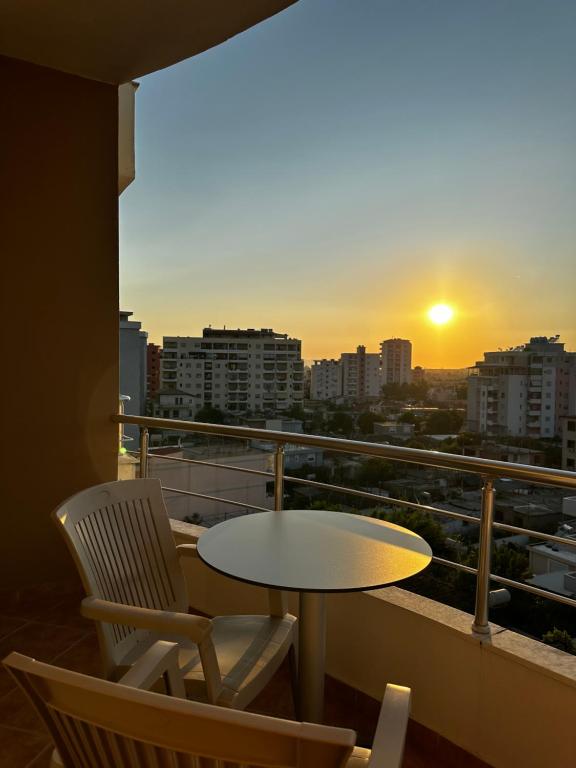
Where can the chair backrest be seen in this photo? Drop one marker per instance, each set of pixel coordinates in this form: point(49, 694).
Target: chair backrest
point(100, 724)
point(120, 538)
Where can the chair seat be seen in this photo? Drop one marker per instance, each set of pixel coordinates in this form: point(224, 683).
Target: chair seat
point(249, 650)
point(359, 758)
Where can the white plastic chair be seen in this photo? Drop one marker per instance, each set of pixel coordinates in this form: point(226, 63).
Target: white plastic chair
point(99, 724)
point(120, 538)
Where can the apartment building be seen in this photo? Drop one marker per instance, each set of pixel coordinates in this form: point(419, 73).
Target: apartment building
point(326, 379)
point(153, 356)
point(174, 404)
point(569, 443)
point(132, 368)
point(525, 390)
point(361, 375)
point(396, 361)
point(236, 370)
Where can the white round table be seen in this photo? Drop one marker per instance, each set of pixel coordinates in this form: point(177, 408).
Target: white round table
point(313, 552)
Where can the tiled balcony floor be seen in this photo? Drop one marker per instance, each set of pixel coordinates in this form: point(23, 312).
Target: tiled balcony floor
point(44, 622)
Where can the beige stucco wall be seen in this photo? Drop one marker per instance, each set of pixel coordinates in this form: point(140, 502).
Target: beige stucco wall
point(508, 700)
point(213, 481)
point(126, 118)
point(58, 306)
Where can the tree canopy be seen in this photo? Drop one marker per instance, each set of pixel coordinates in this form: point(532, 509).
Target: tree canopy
point(210, 415)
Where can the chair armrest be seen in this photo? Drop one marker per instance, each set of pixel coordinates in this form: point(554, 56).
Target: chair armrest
point(160, 660)
point(388, 746)
point(187, 550)
point(197, 628)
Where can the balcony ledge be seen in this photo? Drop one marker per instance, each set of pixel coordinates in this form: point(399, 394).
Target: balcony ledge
point(503, 698)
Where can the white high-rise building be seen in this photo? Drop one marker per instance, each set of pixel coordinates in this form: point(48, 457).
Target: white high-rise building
point(396, 361)
point(236, 370)
point(326, 380)
point(361, 375)
point(524, 390)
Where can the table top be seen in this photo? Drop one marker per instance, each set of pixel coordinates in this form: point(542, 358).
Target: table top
point(313, 551)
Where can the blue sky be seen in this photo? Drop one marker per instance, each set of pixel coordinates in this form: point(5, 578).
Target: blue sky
point(337, 169)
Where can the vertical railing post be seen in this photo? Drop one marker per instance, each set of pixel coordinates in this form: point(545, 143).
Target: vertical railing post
point(143, 451)
point(481, 625)
point(120, 425)
point(279, 478)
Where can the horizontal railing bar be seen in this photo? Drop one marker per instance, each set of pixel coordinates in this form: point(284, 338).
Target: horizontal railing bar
point(549, 595)
point(213, 464)
point(453, 564)
point(449, 461)
point(388, 500)
point(216, 499)
point(385, 500)
point(535, 534)
point(545, 593)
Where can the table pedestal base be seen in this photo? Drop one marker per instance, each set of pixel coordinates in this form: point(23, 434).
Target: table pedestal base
point(311, 656)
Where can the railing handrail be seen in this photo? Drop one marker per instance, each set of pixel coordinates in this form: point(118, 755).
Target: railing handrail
point(451, 461)
point(488, 470)
point(390, 501)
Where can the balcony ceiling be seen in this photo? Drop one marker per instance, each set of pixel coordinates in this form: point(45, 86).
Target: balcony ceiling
point(115, 41)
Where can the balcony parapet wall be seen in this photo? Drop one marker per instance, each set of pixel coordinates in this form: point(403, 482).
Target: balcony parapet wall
point(505, 698)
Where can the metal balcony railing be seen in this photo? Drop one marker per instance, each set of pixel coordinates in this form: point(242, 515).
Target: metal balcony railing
point(487, 469)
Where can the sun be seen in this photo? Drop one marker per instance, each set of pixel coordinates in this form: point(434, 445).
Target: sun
point(440, 314)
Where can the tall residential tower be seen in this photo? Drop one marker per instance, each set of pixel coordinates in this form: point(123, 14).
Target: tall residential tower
point(525, 390)
point(236, 370)
point(396, 361)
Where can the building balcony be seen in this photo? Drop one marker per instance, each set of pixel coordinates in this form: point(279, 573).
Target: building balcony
point(503, 700)
point(482, 694)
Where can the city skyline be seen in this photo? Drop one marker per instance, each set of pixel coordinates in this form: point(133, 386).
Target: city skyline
point(341, 168)
point(373, 349)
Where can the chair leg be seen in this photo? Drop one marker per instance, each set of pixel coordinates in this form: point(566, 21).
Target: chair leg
point(293, 664)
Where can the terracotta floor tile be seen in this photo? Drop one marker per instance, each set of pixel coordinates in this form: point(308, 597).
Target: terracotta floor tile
point(43, 759)
point(339, 704)
point(66, 613)
point(17, 712)
point(83, 657)
point(19, 748)
point(276, 698)
point(33, 602)
point(9, 624)
point(41, 641)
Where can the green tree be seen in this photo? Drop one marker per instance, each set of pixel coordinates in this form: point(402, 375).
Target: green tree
point(511, 562)
point(295, 412)
point(421, 523)
point(374, 471)
point(194, 519)
point(210, 415)
point(443, 422)
point(342, 423)
point(404, 392)
point(328, 505)
point(366, 422)
point(561, 639)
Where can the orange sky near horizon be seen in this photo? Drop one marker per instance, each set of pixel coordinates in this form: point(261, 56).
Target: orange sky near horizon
point(369, 305)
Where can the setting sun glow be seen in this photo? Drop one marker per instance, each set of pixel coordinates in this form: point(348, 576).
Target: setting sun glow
point(440, 314)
